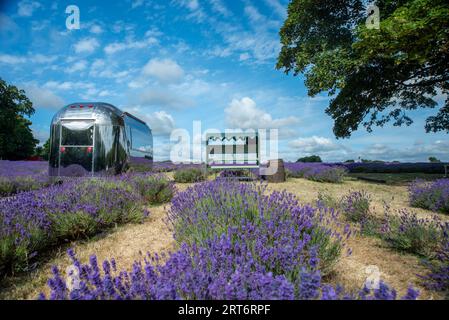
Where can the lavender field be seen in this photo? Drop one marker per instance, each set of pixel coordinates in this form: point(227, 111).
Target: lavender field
point(16, 176)
point(177, 233)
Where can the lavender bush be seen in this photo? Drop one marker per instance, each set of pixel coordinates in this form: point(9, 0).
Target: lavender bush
point(430, 195)
point(356, 206)
point(411, 234)
point(316, 171)
point(437, 278)
point(276, 226)
point(189, 175)
point(34, 220)
point(154, 188)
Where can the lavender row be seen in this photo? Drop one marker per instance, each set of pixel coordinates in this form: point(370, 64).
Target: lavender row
point(32, 221)
point(316, 171)
point(218, 270)
point(18, 176)
point(236, 242)
point(395, 167)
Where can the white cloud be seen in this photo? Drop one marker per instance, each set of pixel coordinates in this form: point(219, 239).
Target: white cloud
point(333, 152)
point(120, 26)
point(38, 25)
point(253, 14)
point(166, 70)
point(96, 29)
point(221, 52)
point(114, 47)
point(314, 144)
point(153, 32)
point(262, 45)
point(33, 58)
point(87, 45)
point(10, 59)
point(25, 8)
point(90, 94)
point(244, 114)
point(136, 4)
point(161, 97)
point(42, 97)
point(280, 9)
point(193, 87)
point(68, 85)
point(219, 6)
point(97, 65)
point(120, 46)
point(111, 74)
point(40, 58)
point(192, 4)
point(416, 152)
point(244, 56)
point(77, 66)
point(196, 11)
point(160, 122)
point(137, 83)
point(260, 40)
point(105, 93)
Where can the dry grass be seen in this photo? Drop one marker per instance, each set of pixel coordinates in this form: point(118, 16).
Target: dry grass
point(126, 243)
point(396, 196)
point(397, 269)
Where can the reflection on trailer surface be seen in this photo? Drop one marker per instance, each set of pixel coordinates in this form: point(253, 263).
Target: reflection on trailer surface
point(88, 139)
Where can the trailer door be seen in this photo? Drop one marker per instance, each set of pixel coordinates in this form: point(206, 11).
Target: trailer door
point(76, 147)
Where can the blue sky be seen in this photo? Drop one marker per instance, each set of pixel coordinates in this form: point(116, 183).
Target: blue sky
point(174, 62)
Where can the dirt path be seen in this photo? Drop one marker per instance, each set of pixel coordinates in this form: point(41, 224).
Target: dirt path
point(125, 244)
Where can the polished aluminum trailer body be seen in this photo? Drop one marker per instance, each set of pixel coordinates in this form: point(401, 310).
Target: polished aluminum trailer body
point(95, 139)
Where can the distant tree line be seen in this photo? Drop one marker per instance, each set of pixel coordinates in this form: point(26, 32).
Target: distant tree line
point(315, 158)
point(312, 158)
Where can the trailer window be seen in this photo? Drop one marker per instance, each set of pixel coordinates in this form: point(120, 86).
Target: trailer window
point(141, 140)
point(77, 133)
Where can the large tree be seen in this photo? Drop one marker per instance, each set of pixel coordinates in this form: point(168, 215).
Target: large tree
point(373, 75)
point(16, 138)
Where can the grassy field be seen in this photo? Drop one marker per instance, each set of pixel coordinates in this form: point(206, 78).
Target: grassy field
point(127, 243)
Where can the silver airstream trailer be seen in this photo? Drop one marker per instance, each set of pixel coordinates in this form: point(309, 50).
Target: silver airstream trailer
point(95, 139)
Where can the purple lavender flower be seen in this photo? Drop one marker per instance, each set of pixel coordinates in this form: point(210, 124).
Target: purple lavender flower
point(32, 220)
point(316, 171)
point(430, 195)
